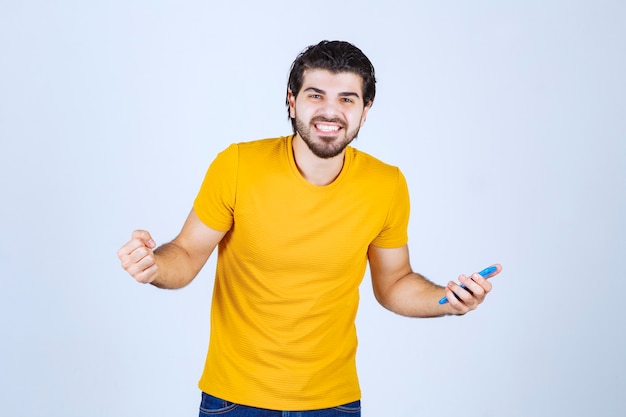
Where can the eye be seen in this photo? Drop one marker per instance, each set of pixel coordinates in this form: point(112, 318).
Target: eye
point(315, 96)
point(347, 100)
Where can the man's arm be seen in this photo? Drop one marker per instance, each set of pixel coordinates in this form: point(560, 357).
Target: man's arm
point(174, 264)
point(399, 289)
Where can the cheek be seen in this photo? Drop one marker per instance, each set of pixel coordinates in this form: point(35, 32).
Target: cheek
point(358, 120)
point(362, 119)
point(302, 112)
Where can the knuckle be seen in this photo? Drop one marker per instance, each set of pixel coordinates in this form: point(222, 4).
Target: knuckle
point(138, 253)
point(479, 291)
point(146, 276)
point(125, 264)
point(146, 258)
point(141, 235)
point(142, 279)
point(150, 260)
point(141, 253)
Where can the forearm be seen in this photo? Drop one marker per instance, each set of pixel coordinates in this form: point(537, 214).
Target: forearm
point(415, 296)
point(175, 268)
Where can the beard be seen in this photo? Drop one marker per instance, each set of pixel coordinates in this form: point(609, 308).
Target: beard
point(327, 146)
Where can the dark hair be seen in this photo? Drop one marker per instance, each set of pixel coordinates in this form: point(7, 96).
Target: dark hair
point(334, 56)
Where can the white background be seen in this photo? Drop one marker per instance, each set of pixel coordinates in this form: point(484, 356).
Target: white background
point(507, 118)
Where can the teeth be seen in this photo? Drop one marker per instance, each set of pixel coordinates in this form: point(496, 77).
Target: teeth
point(327, 128)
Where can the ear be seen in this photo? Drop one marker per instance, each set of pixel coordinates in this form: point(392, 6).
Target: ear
point(291, 98)
point(366, 109)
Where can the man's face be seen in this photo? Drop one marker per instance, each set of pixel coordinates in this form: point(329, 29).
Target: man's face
point(329, 110)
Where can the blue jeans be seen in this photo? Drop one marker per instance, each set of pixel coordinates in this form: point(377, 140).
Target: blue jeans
point(213, 406)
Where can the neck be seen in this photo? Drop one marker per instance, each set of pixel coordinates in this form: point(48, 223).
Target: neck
point(316, 170)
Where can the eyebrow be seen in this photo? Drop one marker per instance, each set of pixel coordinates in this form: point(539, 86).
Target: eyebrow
point(342, 94)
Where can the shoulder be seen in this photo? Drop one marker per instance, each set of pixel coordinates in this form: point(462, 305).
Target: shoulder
point(254, 150)
point(262, 145)
point(372, 167)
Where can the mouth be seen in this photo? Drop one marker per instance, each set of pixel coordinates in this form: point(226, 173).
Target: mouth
point(327, 127)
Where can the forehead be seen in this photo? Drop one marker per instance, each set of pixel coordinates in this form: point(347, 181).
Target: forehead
point(333, 82)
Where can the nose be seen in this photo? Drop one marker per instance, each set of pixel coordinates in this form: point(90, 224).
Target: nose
point(330, 109)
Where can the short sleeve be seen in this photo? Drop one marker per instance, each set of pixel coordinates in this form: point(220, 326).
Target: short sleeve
point(395, 231)
point(215, 202)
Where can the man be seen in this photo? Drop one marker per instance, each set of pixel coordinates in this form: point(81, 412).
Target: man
point(295, 220)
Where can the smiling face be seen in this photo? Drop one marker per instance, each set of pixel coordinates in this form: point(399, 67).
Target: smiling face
point(328, 110)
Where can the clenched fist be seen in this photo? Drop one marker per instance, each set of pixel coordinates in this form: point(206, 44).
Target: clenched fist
point(137, 257)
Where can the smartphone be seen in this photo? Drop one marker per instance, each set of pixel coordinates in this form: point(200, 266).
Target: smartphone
point(484, 273)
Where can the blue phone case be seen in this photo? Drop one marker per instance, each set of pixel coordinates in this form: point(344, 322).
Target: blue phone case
point(484, 273)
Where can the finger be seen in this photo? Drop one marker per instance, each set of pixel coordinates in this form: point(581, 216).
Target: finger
point(139, 253)
point(496, 272)
point(476, 285)
point(138, 259)
point(145, 237)
point(129, 247)
point(132, 252)
point(132, 245)
point(460, 292)
point(464, 294)
point(456, 303)
point(147, 275)
point(142, 269)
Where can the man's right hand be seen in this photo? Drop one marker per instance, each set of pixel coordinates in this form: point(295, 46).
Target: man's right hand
point(137, 257)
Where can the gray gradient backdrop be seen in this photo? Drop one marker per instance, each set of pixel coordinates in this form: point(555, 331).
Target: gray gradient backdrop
point(507, 118)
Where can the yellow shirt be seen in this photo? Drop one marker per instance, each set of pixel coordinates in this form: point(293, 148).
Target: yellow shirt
point(286, 289)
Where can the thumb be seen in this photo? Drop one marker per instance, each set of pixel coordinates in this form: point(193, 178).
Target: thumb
point(145, 237)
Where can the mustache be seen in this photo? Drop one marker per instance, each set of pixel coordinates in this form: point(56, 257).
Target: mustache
point(336, 120)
